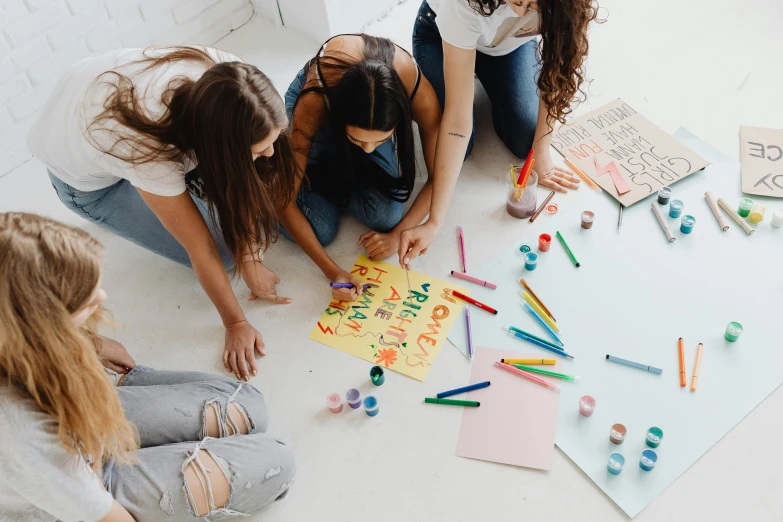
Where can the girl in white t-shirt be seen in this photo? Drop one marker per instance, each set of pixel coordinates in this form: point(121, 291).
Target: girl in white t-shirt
point(530, 82)
point(160, 445)
point(128, 134)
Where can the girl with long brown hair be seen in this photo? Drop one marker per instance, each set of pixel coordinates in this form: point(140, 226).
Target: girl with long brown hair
point(159, 446)
point(183, 151)
point(530, 82)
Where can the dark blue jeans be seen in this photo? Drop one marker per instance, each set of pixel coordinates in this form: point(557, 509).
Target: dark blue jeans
point(510, 82)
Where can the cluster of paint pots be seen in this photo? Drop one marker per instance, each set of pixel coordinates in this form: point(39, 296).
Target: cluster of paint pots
point(687, 222)
point(649, 456)
point(755, 213)
point(354, 397)
point(531, 258)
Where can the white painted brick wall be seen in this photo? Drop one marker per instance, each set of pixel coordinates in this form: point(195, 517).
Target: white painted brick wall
point(40, 38)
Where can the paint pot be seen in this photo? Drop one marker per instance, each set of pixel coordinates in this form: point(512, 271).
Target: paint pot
point(586, 406)
point(648, 460)
point(617, 434)
point(745, 205)
point(757, 214)
point(334, 402)
point(733, 331)
point(531, 261)
point(524, 249)
point(371, 406)
point(544, 242)
point(587, 219)
point(376, 375)
point(686, 225)
point(777, 219)
point(675, 208)
point(521, 202)
point(552, 208)
point(354, 398)
point(654, 437)
point(616, 463)
point(664, 194)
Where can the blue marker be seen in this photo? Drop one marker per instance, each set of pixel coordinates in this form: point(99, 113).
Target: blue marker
point(464, 389)
point(632, 364)
point(541, 321)
point(538, 343)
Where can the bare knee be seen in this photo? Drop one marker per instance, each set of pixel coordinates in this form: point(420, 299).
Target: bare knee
point(206, 485)
point(236, 422)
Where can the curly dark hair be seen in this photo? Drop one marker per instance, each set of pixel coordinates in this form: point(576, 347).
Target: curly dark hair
point(563, 49)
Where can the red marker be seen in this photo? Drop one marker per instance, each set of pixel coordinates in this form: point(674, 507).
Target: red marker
point(474, 302)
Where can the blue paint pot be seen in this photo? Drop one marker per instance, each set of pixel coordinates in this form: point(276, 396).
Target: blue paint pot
point(649, 458)
point(675, 208)
point(531, 261)
point(686, 225)
point(371, 406)
point(616, 463)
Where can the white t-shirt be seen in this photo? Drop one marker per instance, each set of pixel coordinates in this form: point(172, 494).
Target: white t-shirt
point(495, 35)
point(39, 480)
point(58, 138)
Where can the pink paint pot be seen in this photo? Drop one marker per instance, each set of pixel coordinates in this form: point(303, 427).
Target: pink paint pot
point(586, 405)
point(354, 398)
point(334, 402)
point(544, 242)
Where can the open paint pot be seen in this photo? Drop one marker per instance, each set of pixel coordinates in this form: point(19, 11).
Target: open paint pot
point(376, 375)
point(756, 215)
point(675, 208)
point(733, 331)
point(686, 225)
point(615, 464)
point(354, 398)
point(664, 195)
point(648, 460)
point(371, 406)
point(744, 207)
point(586, 405)
point(334, 402)
point(654, 437)
point(617, 434)
point(531, 261)
point(587, 219)
point(544, 242)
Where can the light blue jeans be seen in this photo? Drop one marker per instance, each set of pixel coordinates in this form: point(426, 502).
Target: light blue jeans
point(120, 210)
point(367, 204)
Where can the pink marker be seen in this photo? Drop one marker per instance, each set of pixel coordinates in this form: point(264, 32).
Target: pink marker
point(528, 376)
point(462, 248)
point(466, 277)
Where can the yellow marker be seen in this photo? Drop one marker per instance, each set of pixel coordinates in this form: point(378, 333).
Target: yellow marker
point(540, 310)
point(528, 361)
point(695, 378)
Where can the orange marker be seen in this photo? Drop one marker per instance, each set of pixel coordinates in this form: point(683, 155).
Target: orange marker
point(696, 367)
point(584, 176)
point(683, 378)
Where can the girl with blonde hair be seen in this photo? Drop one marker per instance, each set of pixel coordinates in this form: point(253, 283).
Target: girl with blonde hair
point(160, 445)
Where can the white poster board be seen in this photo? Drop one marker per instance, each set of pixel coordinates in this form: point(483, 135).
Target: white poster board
point(761, 155)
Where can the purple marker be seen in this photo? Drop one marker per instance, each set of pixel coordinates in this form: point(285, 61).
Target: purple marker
point(470, 337)
point(341, 285)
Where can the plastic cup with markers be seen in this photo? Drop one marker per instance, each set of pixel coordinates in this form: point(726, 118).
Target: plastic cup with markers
point(521, 201)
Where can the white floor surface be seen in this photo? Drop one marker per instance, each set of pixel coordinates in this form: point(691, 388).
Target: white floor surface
point(707, 65)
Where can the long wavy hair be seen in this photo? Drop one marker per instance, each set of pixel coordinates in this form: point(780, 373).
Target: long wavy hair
point(217, 118)
point(563, 49)
point(48, 271)
point(368, 94)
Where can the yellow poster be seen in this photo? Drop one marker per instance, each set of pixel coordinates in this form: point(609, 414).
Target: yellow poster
point(388, 327)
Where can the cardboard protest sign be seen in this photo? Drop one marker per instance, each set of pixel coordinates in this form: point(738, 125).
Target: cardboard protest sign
point(761, 152)
point(615, 138)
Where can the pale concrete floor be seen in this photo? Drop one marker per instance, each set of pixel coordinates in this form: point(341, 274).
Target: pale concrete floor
point(708, 65)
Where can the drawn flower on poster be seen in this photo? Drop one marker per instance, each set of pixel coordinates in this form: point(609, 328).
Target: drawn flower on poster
point(386, 357)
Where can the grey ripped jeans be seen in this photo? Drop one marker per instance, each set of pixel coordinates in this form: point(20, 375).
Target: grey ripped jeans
point(169, 409)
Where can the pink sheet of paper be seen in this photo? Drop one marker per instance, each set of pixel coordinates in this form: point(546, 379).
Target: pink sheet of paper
point(617, 178)
point(516, 421)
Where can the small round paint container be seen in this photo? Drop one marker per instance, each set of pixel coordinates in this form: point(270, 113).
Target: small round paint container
point(587, 219)
point(664, 194)
point(675, 208)
point(531, 261)
point(686, 225)
point(615, 464)
point(334, 402)
point(777, 219)
point(586, 406)
point(552, 208)
point(617, 434)
point(371, 406)
point(354, 398)
point(544, 242)
point(648, 460)
point(733, 331)
point(757, 214)
point(744, 207)
point(376, 375)
point(654, 437)
point(524, 249)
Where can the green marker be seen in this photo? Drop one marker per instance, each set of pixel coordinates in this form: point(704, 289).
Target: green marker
point(547, 372)
point(568, 250)
point(451, 402)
